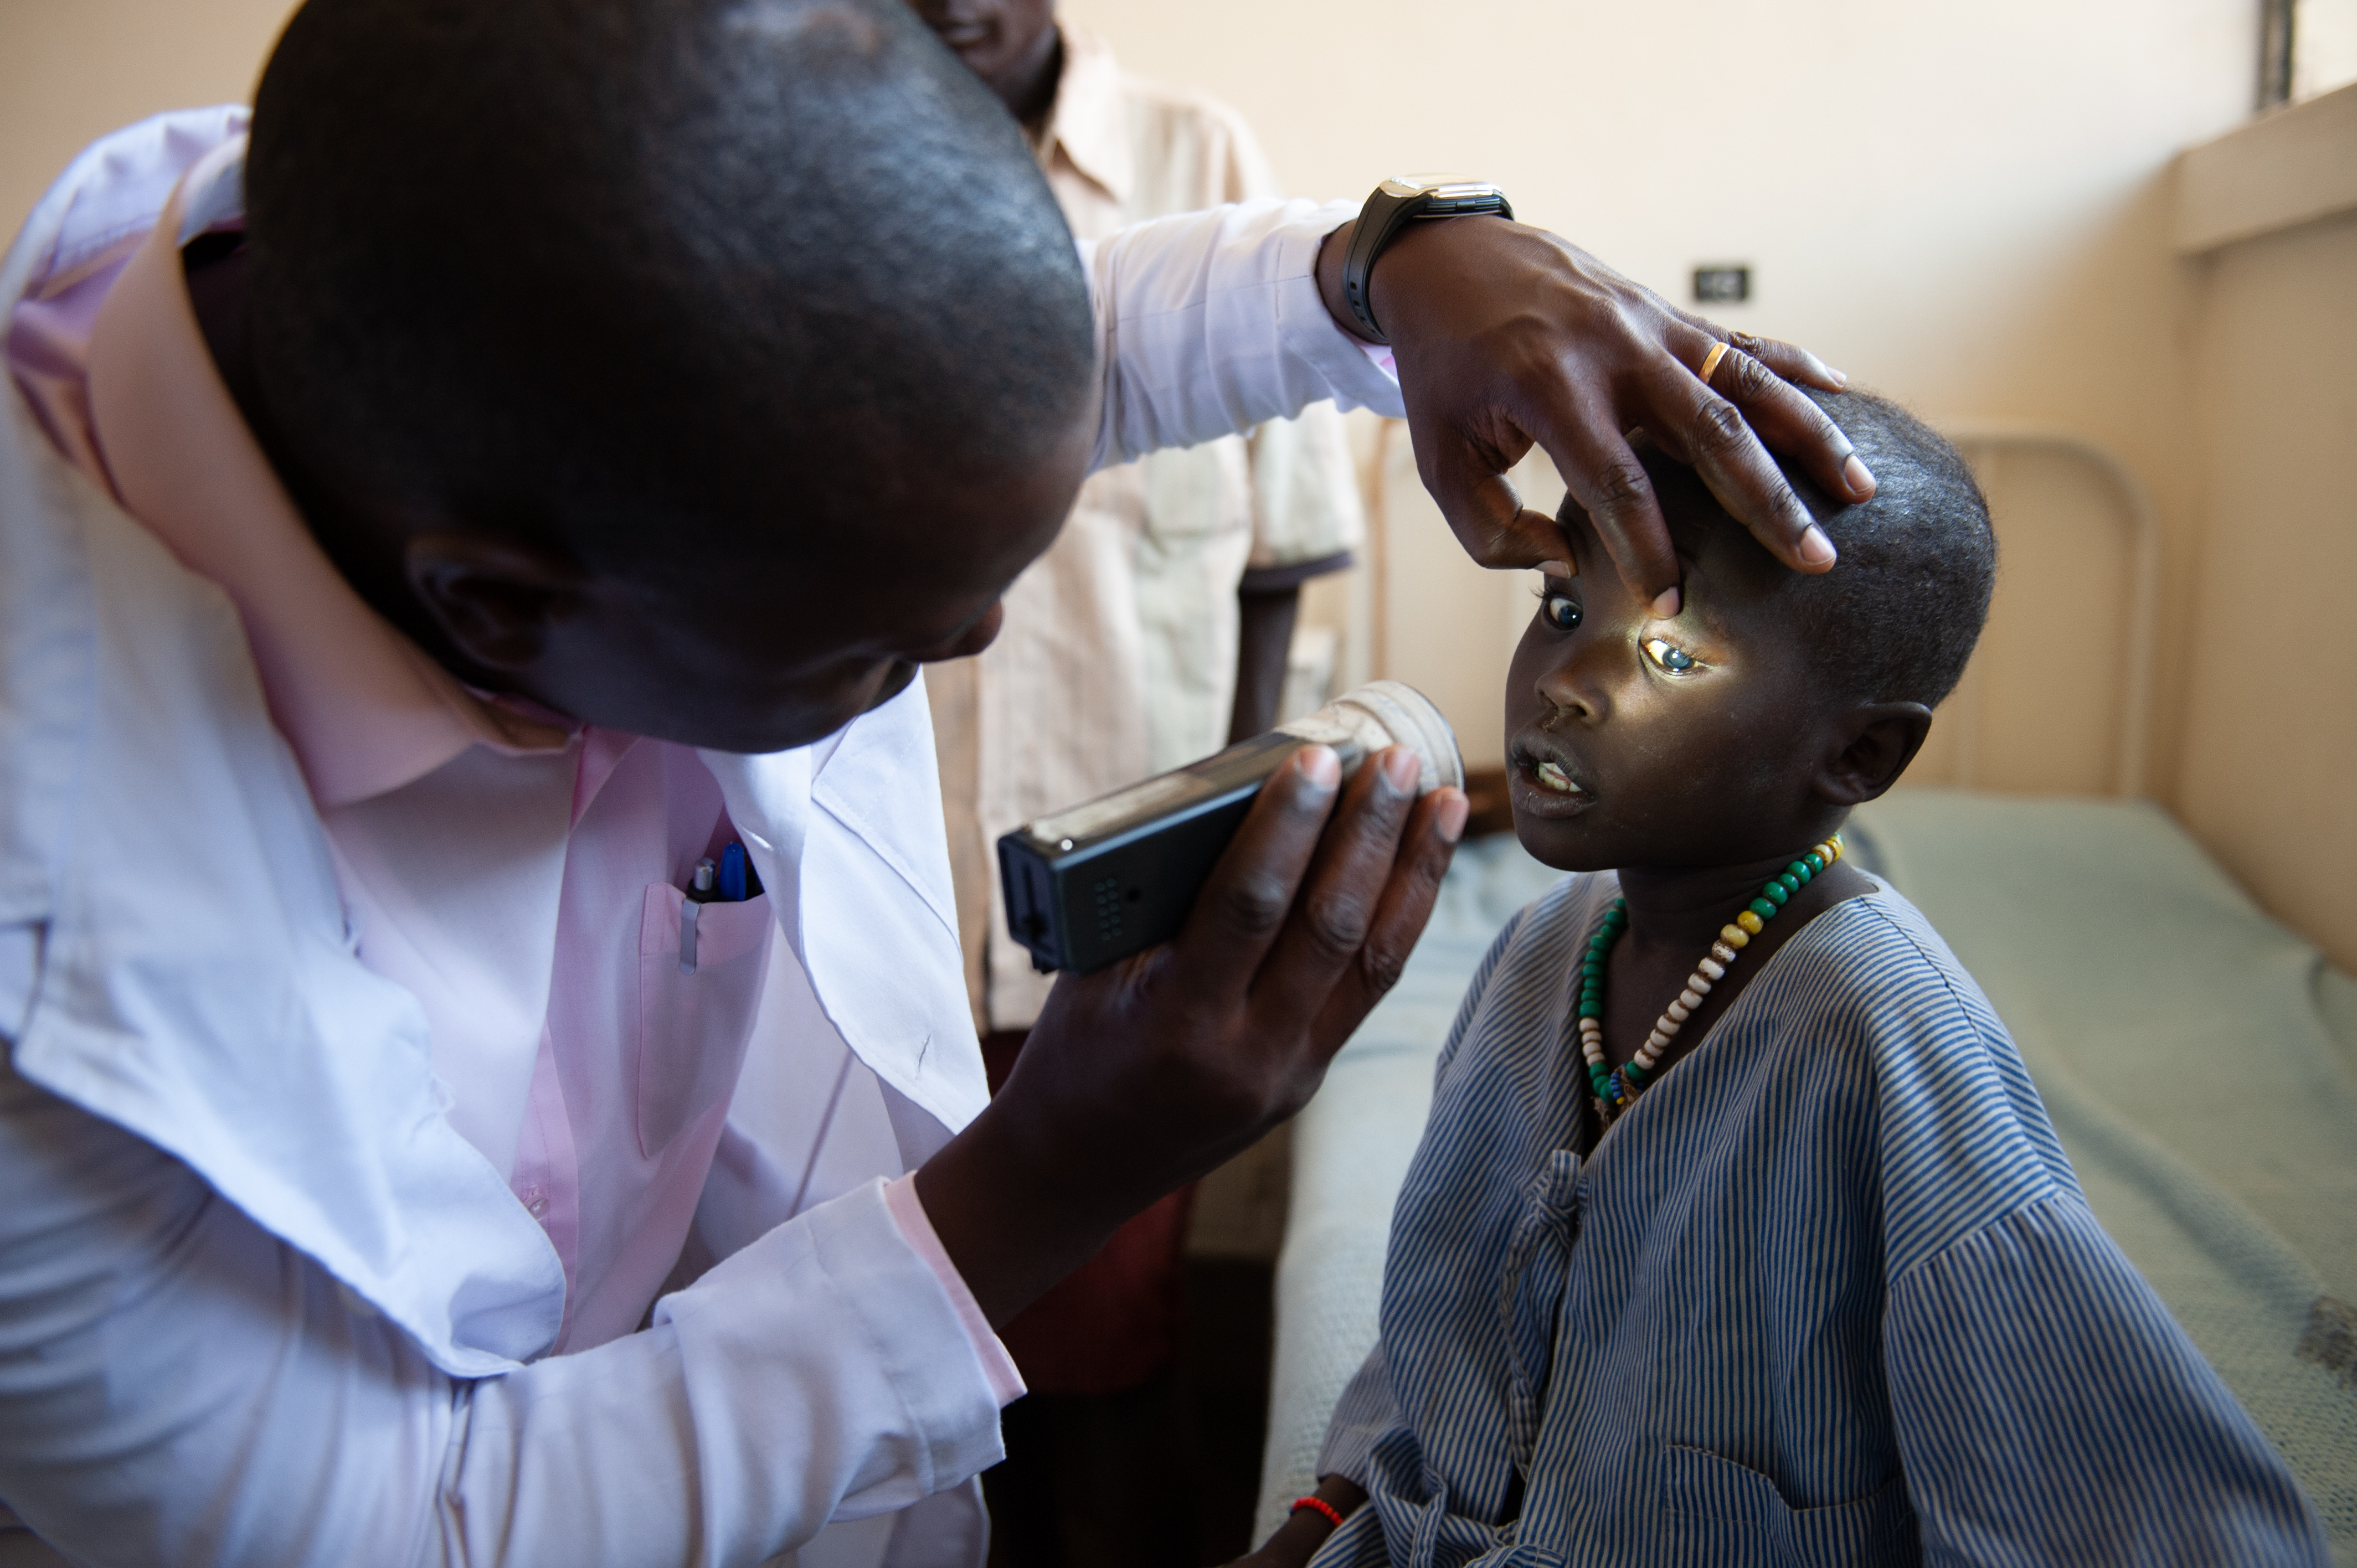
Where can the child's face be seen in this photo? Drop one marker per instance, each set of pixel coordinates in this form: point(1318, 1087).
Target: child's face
point(1696, 740)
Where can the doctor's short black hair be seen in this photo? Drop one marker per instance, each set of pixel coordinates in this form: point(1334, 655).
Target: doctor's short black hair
point(1898, 616)
point(641, 277)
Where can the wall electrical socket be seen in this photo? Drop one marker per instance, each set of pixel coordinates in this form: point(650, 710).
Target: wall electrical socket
point(1722, 283)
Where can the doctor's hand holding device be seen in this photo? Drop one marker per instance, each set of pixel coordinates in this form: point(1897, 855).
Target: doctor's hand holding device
point(1096, 883)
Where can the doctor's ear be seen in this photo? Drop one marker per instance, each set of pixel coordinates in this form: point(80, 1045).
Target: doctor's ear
point(1880, 740)
point(496, 600)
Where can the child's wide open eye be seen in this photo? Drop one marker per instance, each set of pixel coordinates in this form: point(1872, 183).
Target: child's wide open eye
point(1560, 611)
point(1668, 656)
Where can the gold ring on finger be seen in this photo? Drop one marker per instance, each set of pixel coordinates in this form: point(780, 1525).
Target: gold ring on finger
point(1710, 362)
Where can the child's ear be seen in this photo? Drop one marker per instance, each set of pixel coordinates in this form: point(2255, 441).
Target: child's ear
point(1883, 738)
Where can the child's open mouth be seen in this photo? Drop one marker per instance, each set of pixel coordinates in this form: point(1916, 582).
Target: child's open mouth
point(1544, 788)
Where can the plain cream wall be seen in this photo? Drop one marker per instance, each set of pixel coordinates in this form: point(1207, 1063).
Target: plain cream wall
point(2270, 775)
point(71, 71)
point(1967, 207)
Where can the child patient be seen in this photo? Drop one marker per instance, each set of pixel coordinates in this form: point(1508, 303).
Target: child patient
point(1738, 1234)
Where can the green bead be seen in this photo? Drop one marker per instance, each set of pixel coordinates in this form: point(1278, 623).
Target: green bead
point(1632, 1075)
point(1764, 909)
point(1817, 862)
point(1799, 871)
point(1776, 892)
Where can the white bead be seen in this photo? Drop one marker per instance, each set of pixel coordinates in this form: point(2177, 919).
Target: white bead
point(1722, 952)
point(1698, 984)
point(1665, 1026)
point(1690, 998)
point(1713, 968)
point(1655, 1041)
point(1679, 1012)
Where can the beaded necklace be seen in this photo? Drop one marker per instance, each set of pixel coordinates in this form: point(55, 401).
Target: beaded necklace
point(1617, 1088)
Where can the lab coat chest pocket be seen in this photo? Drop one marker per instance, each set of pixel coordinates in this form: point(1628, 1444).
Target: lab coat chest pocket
point(694, 1019)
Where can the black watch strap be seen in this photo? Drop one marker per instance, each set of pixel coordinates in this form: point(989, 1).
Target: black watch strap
point(1395, 203)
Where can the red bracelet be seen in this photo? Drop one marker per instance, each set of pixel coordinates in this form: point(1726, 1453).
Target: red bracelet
point(1321, 1505)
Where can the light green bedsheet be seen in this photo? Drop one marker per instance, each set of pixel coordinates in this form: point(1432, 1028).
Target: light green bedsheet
point(2200, 1061)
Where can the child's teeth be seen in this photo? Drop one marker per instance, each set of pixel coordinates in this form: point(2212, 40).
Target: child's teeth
point(1554, 777)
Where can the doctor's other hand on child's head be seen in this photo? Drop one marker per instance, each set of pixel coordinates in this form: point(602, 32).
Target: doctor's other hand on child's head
point(1595, 357)
point(1771, 702)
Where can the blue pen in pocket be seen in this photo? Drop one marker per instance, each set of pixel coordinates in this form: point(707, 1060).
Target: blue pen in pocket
point(732, 874)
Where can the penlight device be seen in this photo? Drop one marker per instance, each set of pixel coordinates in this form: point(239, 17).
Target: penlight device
point(1096, 883)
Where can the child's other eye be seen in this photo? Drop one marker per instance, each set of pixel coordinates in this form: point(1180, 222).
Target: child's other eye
point(1675, 660)
point(1560, 611)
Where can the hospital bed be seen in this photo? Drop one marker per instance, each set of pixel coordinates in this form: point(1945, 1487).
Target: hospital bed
point(2199, 1059)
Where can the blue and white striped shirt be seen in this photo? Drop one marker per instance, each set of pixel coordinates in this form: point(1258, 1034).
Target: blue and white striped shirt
point(1828, 1294)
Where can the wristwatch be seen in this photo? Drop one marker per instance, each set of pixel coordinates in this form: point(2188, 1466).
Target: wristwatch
point(1395, 202)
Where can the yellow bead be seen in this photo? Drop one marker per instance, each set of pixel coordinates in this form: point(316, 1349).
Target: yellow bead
point(1836, 842)
point(1733, 936)
point(1749, 921)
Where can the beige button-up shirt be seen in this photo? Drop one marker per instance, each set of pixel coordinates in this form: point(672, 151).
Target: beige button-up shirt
point(1119, 655)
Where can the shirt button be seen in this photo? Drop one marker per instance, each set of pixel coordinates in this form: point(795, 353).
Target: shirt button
point(535, 1203)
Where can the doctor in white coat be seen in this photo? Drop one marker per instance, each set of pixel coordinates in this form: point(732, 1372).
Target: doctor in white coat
point(437, 517)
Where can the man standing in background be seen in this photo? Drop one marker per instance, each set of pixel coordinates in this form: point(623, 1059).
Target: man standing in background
point(1154, 632)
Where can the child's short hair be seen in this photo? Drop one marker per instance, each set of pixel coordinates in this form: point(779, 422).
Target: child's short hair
point(1896, 618)
point(635, 274)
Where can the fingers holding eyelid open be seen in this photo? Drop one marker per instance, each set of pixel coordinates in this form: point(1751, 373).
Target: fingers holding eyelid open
point(1605, 480)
